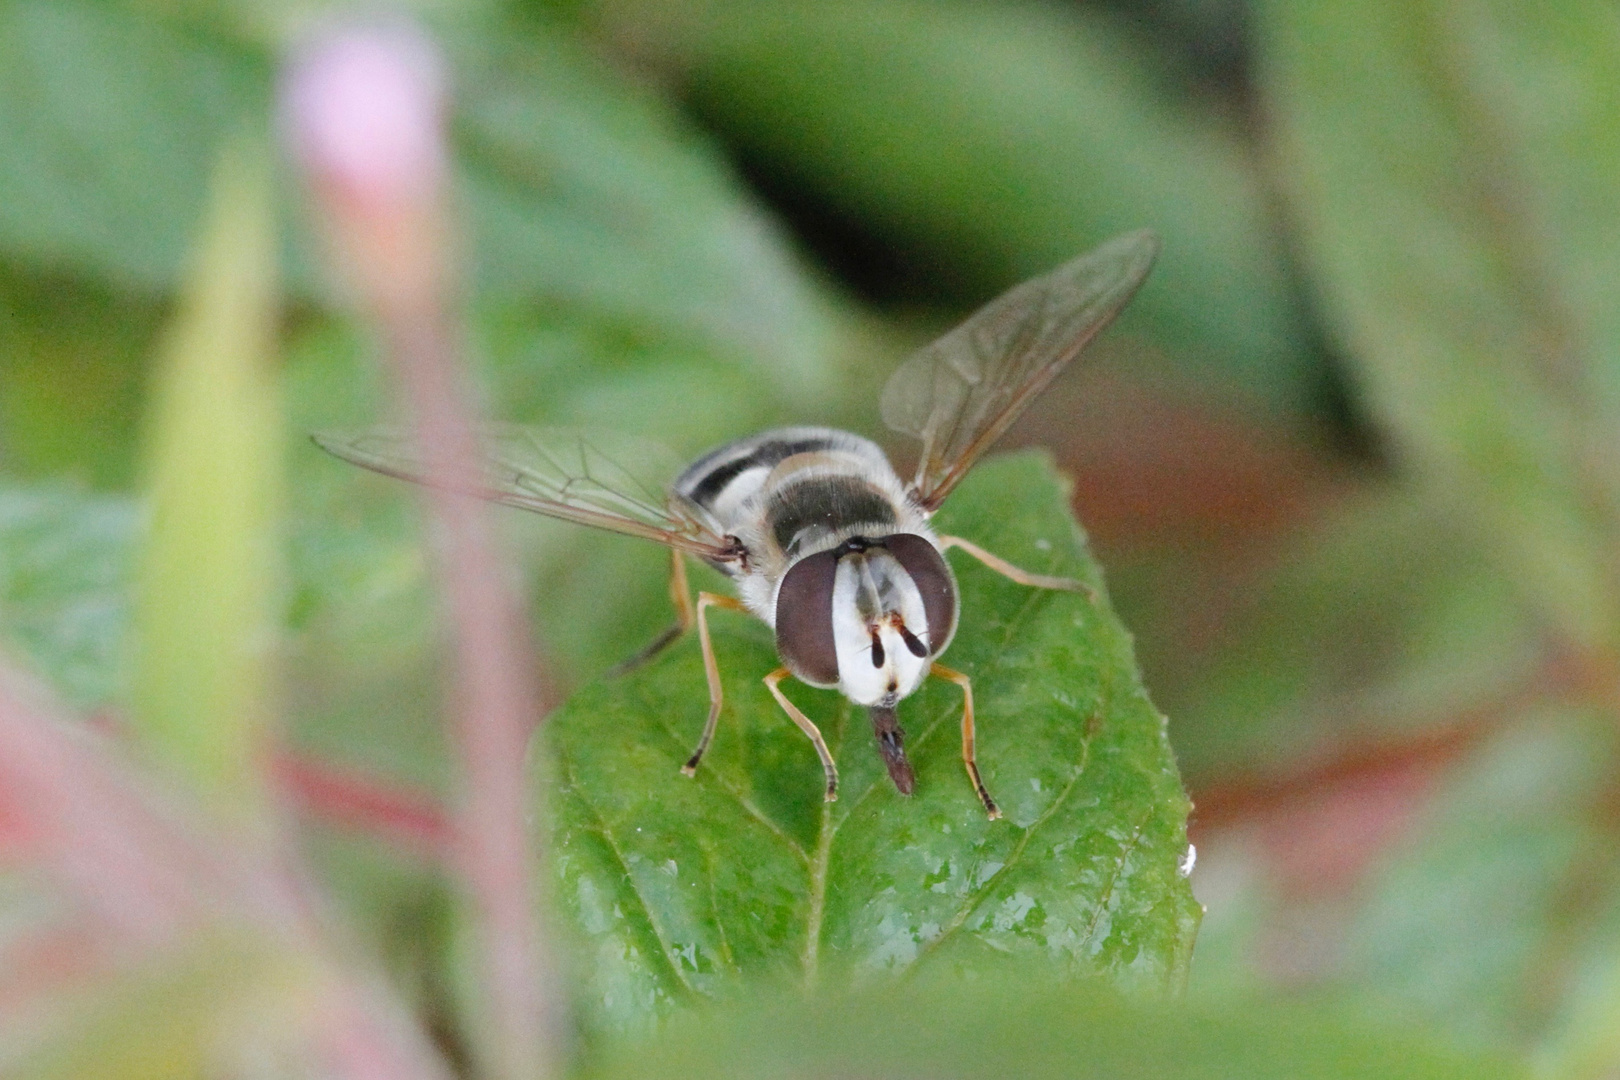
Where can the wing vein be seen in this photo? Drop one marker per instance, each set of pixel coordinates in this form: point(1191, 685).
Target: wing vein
point(556, 474)
point(960, 394)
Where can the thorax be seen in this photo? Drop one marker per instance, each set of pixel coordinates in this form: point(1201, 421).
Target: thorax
point(792, 492)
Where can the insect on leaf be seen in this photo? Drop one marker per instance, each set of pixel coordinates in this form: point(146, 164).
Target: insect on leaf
point(679, 890)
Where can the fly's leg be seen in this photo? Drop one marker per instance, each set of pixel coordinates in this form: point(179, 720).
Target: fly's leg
point(806, 726)
point(706, 600)
point(968, 755)
point(681, 594)
point(1013, 573)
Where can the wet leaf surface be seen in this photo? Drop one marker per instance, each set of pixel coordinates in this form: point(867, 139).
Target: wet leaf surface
point(678, 889)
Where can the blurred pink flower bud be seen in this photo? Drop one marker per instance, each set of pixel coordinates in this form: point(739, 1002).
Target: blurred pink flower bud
point(362, 108)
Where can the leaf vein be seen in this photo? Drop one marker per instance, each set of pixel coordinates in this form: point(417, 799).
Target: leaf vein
point(602, 830)
point(1113, 879)
point(1013, 859)
point(818, 897)
point(711, 871)
point(714, 777)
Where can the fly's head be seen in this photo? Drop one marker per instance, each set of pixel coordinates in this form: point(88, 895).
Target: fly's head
point(867, 616)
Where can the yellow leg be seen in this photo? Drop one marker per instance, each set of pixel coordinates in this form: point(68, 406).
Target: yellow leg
point(968, 748)
point(806, 726)
point(681, 594)
point(706, 600)
point(1008, 570)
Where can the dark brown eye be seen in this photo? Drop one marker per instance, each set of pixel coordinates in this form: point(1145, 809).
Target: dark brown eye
point(932, 576)
point(804, 626)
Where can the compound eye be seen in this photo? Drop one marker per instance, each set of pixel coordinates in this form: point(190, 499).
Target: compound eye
point(929, 572)
point(804, 624)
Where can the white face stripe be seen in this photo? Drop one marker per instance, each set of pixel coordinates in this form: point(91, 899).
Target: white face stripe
point(901, 672)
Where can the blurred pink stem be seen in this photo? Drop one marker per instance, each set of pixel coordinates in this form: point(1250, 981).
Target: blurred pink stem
point(495, 693)
point(369, 1036)
point(364, 109)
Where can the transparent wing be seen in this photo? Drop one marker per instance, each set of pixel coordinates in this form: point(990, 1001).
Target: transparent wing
point(556, 473)
point(959, 394)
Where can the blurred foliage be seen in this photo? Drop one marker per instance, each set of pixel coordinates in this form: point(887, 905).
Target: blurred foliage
point(65, 570)
point(111, 122)
point(187, 1014)
point(1395, 696)
point(1457, 208)
point(589, 197)
point(209, 573)
point(1510, 845)
point(1027, 1028)
point(988, 142)
point(1384, 618)
point(71, 374)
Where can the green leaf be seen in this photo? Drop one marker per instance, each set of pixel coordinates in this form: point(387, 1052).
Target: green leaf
point(593, 196)
point(1374, 620)
point(210, 567)
point(1582, 1039)
point(362, 646)
point(65, 560)
point(581, 191)
point(1455, 169)
point(990, 142)
point(72, 359)
point(1024, 1029)
point(680, 890)
point(1493, 919)
point(109, 124)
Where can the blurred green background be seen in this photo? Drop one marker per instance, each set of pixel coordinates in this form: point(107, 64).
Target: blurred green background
point(1351, 460)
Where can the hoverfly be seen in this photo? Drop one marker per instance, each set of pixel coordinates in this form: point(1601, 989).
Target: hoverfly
point(820, 536)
